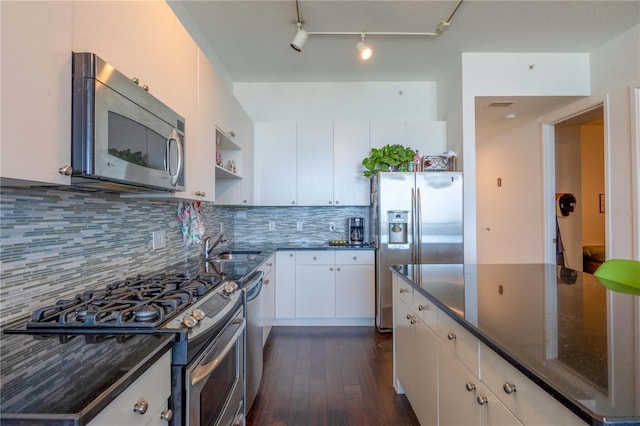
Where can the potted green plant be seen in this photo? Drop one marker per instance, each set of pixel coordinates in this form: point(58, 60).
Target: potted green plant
point(388, 158)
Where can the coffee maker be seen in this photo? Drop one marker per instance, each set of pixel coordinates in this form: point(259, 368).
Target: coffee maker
point(356, 230)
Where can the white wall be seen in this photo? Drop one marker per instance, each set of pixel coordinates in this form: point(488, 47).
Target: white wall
point(450, 108)
point(512, 74)
point(370, 101)
point(615, 68)
point(510, 216)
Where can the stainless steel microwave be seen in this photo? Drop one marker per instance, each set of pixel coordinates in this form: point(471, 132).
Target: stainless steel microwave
point(122, 137)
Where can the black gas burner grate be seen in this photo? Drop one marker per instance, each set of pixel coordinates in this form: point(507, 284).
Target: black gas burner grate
point(135, 302)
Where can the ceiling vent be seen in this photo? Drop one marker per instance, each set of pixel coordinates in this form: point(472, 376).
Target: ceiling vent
point(501, 103)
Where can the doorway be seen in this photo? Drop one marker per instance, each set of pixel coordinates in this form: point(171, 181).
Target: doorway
point(580, 190)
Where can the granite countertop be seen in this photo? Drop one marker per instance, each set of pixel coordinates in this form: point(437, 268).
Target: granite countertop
point(68, 379)
point(562, 328)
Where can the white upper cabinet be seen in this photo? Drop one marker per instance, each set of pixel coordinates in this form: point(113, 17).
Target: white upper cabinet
point(350, 147)
point(388, 133)
point(429, 137)
point(275, 163)
point(314, 162)
point(36, 92)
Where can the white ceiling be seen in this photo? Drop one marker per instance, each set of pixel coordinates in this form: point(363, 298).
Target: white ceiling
point(251, 38)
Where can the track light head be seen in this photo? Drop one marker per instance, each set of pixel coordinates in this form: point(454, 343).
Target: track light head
point(299, 39)
point(364, 51)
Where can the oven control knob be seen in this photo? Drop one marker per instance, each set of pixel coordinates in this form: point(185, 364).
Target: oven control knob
point(227, 288)
point(198, 314)
point(189, 322)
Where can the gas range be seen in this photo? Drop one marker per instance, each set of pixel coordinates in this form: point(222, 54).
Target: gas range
point(107, 332)
point(133, 303)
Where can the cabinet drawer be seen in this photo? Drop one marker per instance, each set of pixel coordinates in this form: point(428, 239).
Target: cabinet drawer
point(311, 257)
point(267, 266)
point(530, 403)
point(354, 257)
point(153, 386)
point(404, 292)
point(425, 310)
point(462, 343)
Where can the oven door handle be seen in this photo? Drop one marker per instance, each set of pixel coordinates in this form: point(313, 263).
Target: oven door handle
point(203, 371)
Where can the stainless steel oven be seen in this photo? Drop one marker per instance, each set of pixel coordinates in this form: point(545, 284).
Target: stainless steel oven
point(214, 380)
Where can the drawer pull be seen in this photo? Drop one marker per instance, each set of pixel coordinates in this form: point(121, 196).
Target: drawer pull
point(141, 407)
point(509, 387)
point(270, 264)
point(315, 258)
point(404, 290)
point(355, 257)
point(265, 282)
point(451, 335)
point(482, 400)
point(411, 319)
point(470, 386)
point(166, 415)
point(423, 307)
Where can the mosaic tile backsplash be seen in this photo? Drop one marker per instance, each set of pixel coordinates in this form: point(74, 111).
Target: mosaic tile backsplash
point(55, 243)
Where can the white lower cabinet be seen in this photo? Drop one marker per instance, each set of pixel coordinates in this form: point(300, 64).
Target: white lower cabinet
point(149, 393)
point(325, 287)
point(451, 378)
point(285, 299)
point(268, 296)
point(525, 399)
point(315, 284)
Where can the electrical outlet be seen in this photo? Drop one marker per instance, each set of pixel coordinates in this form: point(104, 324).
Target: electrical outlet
point(299, 225)
point(272, 225)
point(332, 226)
point(159, 239)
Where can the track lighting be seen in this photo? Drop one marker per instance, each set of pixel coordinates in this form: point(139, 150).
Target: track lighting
point(364, 51)
point(299, 39)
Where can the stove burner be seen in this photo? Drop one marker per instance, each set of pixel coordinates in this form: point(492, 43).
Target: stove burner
point(145, 313)
point(132, 302)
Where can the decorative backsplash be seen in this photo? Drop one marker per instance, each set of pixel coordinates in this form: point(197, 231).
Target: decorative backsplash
point(55, 243)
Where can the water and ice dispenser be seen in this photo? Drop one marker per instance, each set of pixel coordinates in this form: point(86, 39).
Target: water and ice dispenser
point(398, 226)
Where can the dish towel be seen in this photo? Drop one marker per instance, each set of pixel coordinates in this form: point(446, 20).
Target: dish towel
point(192, 223)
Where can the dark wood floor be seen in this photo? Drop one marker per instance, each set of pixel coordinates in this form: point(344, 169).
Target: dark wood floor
point(329, 376)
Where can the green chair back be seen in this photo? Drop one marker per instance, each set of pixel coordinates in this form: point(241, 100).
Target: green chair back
point(622, 271)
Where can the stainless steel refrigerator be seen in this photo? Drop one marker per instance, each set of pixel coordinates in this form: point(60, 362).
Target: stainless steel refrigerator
point(417, 218)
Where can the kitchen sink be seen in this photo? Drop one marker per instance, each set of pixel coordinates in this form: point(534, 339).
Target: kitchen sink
point(236, 256)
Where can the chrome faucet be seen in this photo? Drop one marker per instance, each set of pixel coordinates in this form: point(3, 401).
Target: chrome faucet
point(208, 247)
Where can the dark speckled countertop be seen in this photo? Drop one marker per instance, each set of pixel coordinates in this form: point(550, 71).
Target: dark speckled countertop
point(562, 328)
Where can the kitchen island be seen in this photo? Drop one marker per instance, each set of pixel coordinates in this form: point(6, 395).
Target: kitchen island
point(515, 344)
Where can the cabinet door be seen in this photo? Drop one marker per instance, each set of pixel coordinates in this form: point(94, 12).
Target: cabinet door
point(275, 163)
point(388, 133)
point(458, 389)
point(355, 291)
point(36, 91)
point(404, 347)
point(268, 296)
point(350, 147)
point(314, 163)
point(430, 137)
point(315, 291)
point(494, 413)
point(110, 30)
point(425, 398)
point(285, 284)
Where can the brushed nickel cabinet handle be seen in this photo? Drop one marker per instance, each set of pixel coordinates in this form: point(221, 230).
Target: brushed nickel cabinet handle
point(141, 407)
point(482, 400)
point(470, 386)
point(451, 335)
point(509, 388)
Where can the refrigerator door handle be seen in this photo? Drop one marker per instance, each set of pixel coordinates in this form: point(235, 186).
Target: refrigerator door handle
point(413, 226)
point(419, 237)
point(419, 227)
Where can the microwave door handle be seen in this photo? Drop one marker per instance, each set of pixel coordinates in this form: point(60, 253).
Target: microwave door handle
point(173, 136)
